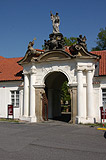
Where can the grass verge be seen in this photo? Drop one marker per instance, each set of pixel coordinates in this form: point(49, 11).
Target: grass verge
point(96, 124)
point(9, 120)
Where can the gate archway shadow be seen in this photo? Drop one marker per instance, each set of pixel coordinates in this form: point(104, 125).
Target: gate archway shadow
point(65, 117)
point(53, 83)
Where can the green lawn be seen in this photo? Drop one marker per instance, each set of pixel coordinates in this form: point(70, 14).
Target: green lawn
point(9, 120)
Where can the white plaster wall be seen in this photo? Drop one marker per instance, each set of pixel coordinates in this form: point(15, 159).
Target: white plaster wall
point(5, 98)
point(98, 96)
point(43, 69)
point(97, 102)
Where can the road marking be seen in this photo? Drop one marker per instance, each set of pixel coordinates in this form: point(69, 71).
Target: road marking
point(103, 129)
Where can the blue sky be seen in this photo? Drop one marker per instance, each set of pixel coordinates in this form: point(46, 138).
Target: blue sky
point(22, 20)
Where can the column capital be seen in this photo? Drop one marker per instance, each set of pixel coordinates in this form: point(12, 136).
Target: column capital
point(80, 67)
point(89, 71)
point(32, 71)
point(73, 85)
point(39, 86)
point(90, 68)
point(25, 72)
point(79, 70)
point(85, 67)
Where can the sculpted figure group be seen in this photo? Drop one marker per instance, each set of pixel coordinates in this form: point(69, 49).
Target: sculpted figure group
point(82, 41)
point(56, 40)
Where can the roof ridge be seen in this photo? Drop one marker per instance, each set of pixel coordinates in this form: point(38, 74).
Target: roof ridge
point(14, 57)
point(99, 51)
point(2, 57)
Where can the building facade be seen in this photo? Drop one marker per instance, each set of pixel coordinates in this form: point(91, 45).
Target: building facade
point(46, 72)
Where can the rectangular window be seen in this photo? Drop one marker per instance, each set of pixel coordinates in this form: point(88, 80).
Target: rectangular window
point(15, 98)
point(104, 96)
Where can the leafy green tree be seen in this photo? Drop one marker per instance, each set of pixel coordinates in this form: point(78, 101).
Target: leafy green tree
point(43, 47)
point(70, 41)
point(65, 96)
point(101, 40)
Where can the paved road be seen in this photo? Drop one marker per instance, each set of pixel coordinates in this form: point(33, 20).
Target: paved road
point(51, 141)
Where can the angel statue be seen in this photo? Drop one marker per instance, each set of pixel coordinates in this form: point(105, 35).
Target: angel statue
point(30, 45)
point(55, 22)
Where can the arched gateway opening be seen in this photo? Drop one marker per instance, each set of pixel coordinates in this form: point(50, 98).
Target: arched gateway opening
point(54, 107)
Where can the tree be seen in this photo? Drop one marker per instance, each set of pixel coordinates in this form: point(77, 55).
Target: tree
point(65, 96)
point(43, 47)
point(101, 40)
point(70, 41)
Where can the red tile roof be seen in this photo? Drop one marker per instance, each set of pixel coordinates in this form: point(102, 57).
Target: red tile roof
point(40, 50)
point(1, 57)
point(9, 69)
point(102, 62)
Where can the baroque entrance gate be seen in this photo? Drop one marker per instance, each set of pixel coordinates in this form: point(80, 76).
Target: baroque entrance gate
point(75, 62)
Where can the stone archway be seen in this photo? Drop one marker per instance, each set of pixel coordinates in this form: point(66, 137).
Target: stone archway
point(53, 84)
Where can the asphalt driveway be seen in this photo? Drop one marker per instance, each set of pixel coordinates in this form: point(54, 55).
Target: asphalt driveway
point(51, 140)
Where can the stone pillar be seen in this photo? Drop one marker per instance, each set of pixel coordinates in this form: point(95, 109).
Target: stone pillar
point(74, 112)
point(39, 90)
point(26, 95)
point(90, 108)
point(32, 97)
point(80, 95)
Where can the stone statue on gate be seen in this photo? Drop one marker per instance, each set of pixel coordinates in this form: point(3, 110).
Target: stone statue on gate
point(30, 45)
point(56, 22)
point(82, 41)
point(56, 40)
point(31, 50)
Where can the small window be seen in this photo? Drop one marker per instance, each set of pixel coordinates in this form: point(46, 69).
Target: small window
point(15, 98)
point(104, 96)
